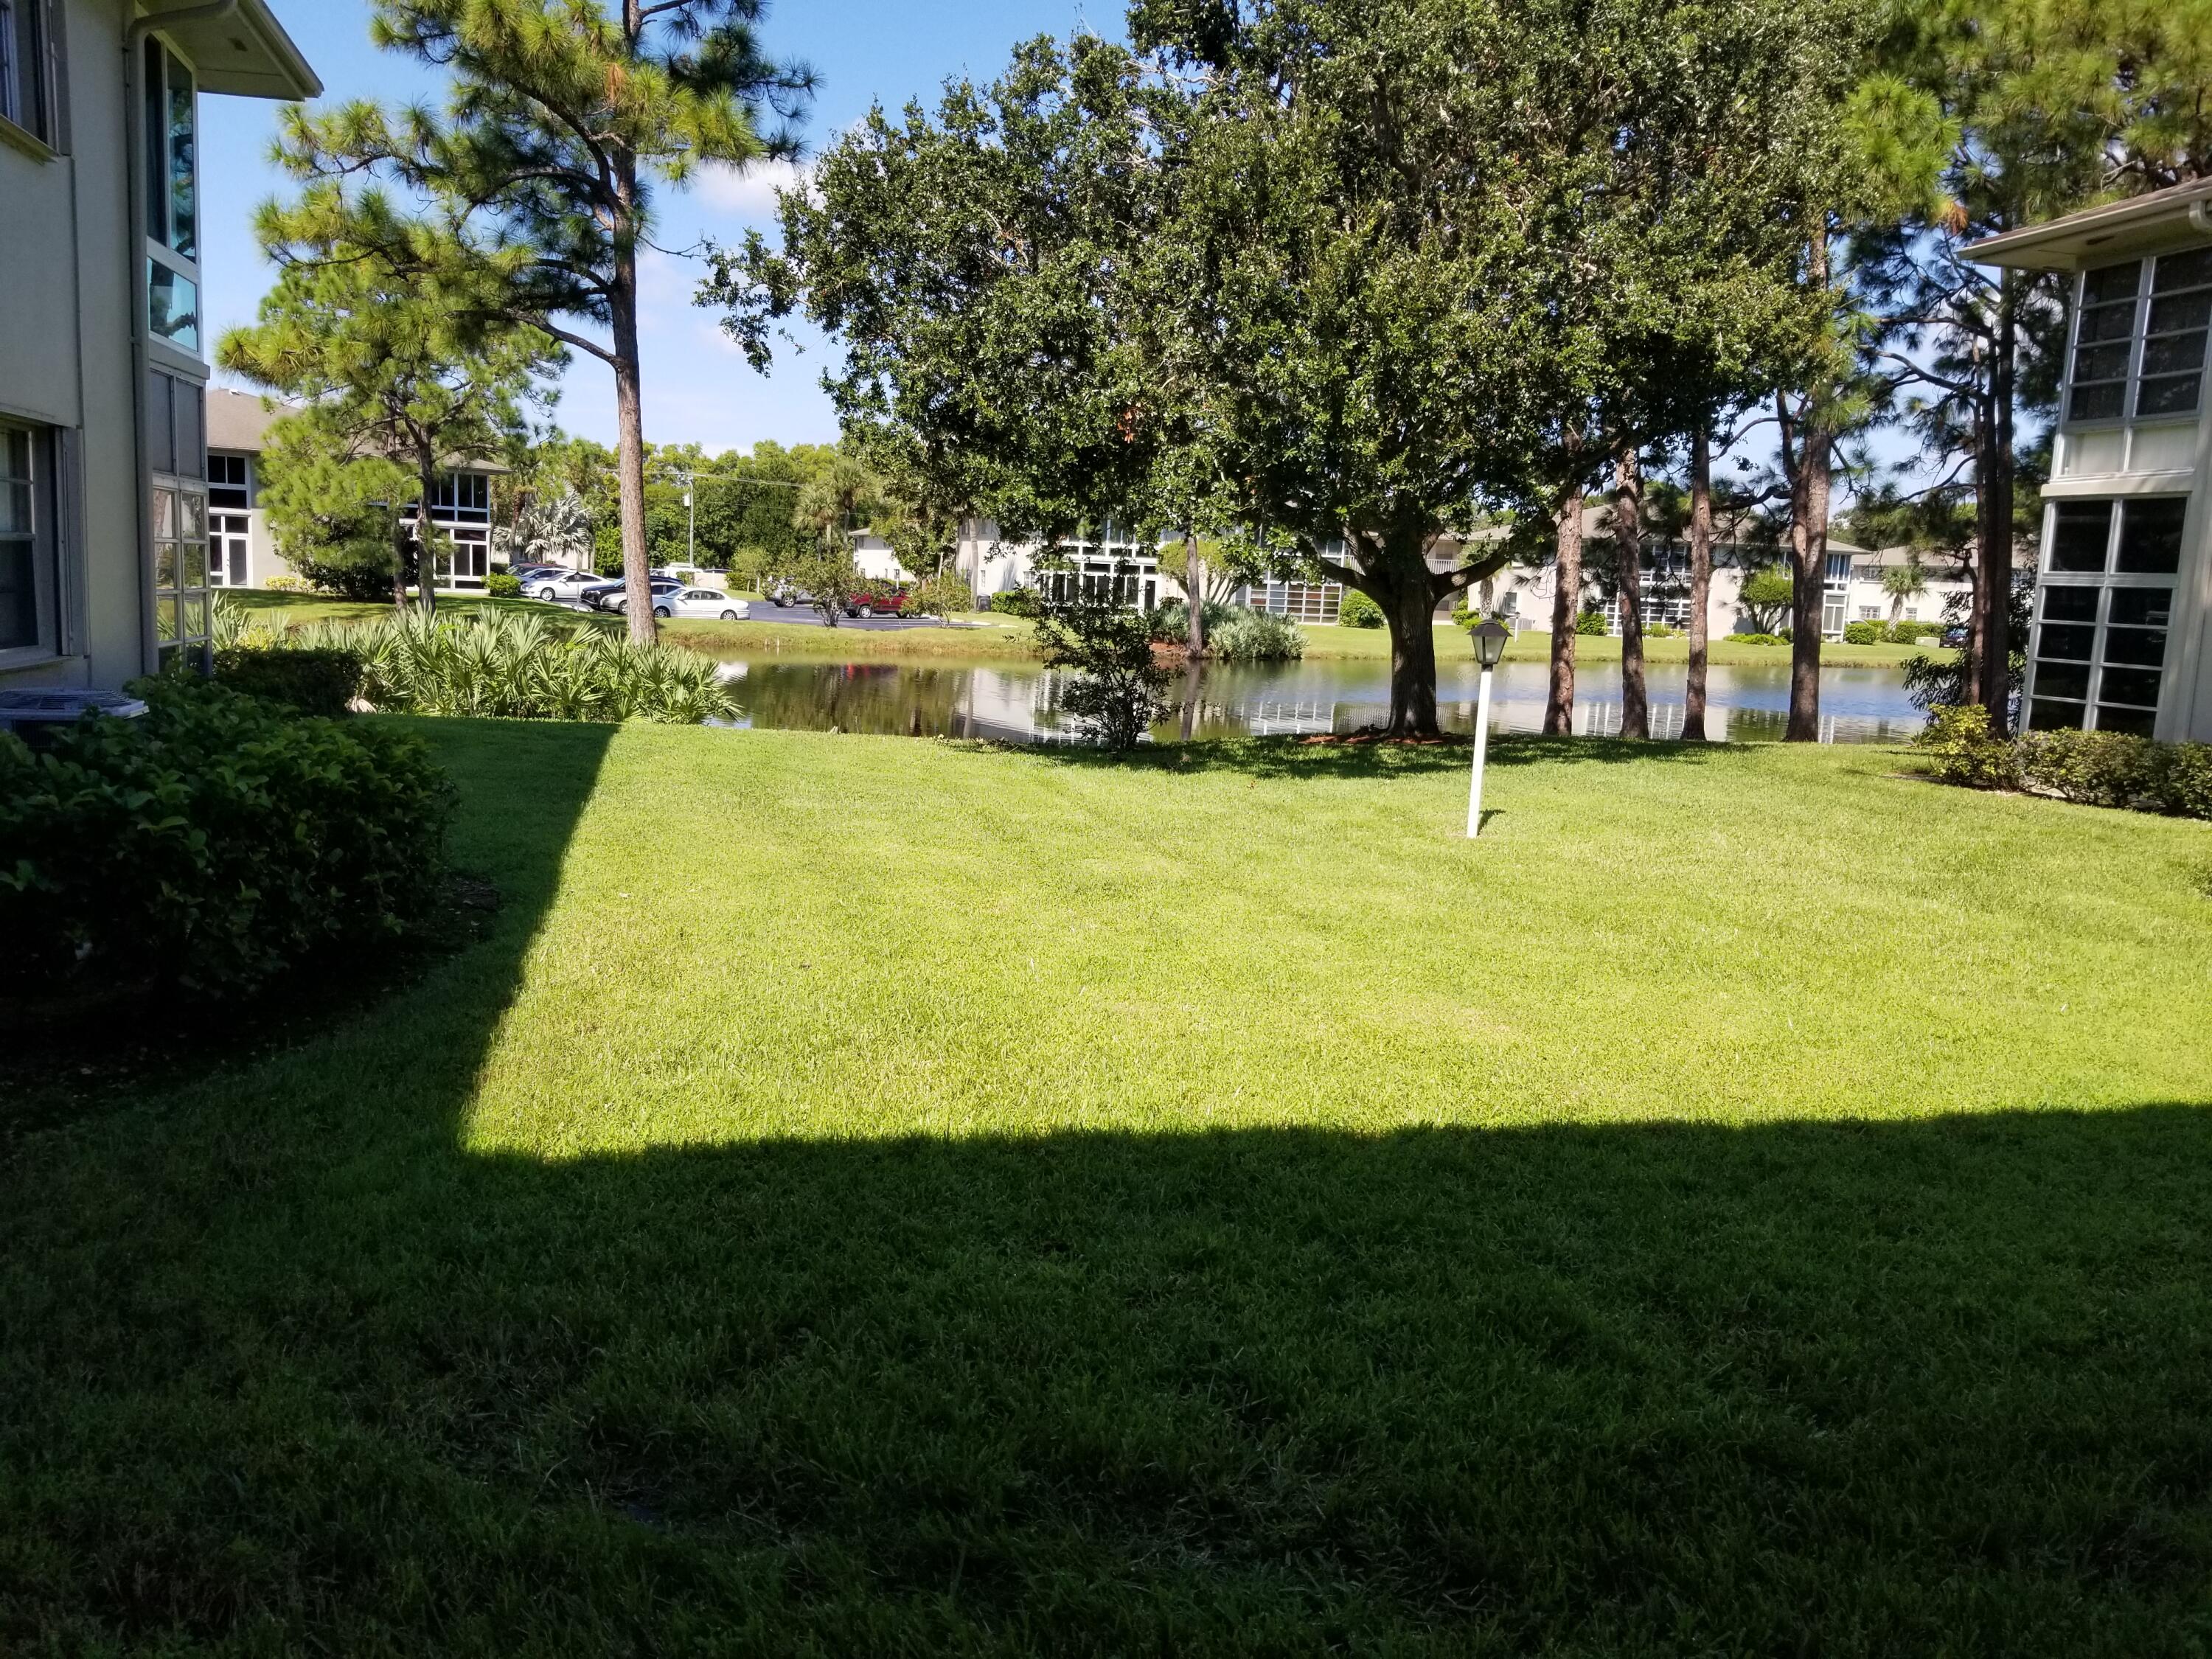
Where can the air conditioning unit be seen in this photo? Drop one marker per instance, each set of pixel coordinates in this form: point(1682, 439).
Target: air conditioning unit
point(49, 706)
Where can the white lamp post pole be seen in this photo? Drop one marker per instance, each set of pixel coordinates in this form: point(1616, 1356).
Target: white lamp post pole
point(1489, 645)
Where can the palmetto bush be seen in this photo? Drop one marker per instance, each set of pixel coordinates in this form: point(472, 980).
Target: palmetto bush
point(517, 667)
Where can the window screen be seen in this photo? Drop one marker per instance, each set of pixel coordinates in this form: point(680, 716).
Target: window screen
point(2103, 342)
point(2173, 334)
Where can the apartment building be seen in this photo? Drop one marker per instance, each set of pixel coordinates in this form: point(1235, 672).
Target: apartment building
point(103, 489)
point(2123, 587)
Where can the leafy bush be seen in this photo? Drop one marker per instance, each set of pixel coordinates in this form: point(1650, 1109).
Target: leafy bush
point(288, 584)
point(1113, 688)
point(1911, 633)
point(1757, 638)
point(322, 681)
point(2098, 768)
point(1015, 602)
point(946, 594)
point(2182, 782)
point(346, 582)
point(1958, 741)
point(211, 843)
point(1249, 635)
point(1660, 631)
point(505, 666)
point(1358, 610)
point(1591, 624)
point(503, 585)
point(1862, 633)
point(1171, 623)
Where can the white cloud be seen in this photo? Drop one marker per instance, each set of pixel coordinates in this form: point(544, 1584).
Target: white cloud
point(747, 193)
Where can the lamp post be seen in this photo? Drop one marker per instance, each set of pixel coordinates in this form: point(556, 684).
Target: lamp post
point(1490, 638)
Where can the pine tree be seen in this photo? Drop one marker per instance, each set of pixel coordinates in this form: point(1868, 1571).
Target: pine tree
point(393, 386)
point(562, 123)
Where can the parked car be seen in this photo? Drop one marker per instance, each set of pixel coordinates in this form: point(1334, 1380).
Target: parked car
point(784, 597)
point(1954, 639)
point(612, 595)
point(879, 599)
point(700, 602)
point(526, 573)
point(560, 584)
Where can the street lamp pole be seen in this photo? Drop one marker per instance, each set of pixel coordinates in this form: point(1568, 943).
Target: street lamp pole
point(1490, 641)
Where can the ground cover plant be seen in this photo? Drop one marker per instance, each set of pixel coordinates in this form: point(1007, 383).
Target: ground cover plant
point(956, 1218)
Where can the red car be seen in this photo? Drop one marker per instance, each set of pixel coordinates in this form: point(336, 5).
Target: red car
point(879, 599)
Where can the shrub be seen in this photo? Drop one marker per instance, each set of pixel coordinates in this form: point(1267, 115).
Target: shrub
point(1757, 638)
point(946, 594)
point(288, 584)
point(1591, 624)
point(322, 681)
point(1911, 633)
point(1249, 635)
point(1015, 602)
point(1958, 742)
point(1169, 624)
point(210, 843)
point(1358, 610)
point(1661, 631)
point(1864, 632)
point(2098, 768)
point(2182, 782)
point(346, 582)
point(503, 664)
point(503, 585)
point(1113, 686)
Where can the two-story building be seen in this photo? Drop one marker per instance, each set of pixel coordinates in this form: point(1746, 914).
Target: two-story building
point(2124, 590)
point(104, 493)
point(242, 552)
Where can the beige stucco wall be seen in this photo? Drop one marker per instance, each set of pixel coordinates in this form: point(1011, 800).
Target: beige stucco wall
point(66, 337)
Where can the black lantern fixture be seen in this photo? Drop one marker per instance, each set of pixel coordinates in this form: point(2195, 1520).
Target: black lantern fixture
point(1490, 641)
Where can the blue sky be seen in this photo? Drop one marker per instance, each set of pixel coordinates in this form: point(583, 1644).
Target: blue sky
point(697, 388)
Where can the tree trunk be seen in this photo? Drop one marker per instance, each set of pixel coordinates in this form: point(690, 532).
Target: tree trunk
point(1191, 699)
point(1628, 546)
point(1701, 583)
point(425, 535)
point(1810, 480)
point(402, 539)
point(1994, 479)
point(1566, 606)
point(629, 420)
point(1193, 593)
point(1411, 607)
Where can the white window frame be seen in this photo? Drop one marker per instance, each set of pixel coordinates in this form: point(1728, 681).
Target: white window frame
point(2104, 583)
point(162, 253)
point(26, 36)
point(2137, 340)
point(42, 486)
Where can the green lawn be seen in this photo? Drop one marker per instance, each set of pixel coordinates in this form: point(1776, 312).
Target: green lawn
point(1723, 652)
point(872, 1196)
point(276, 610)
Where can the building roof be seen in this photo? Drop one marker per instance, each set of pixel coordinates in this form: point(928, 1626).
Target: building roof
point(238, 420)
point(243, 53)
point(2175, 216)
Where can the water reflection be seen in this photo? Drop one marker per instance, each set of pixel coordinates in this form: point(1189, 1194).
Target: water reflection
point(1018, 701)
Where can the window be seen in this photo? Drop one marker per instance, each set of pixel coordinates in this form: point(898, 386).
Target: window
point(1869, 613)
point(228, 541)
point(27, 544)
point(228, 481)
point(2103, 613)
point(180, 566)
point(173, 272)
point(461, 495)
point(2172, 373)
point(23, 67)
point(1839, 568)
point(2155, 339)
point(2103, 341)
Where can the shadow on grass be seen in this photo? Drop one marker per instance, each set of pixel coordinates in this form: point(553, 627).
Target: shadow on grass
point(285, 1365)
point(1296, 757)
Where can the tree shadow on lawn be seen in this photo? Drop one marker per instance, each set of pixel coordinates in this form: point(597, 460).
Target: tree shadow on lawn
point(1298, 758)
point(285, 1362)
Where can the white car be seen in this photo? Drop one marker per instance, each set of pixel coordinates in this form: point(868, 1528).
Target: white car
point(702, 602)
point(561, 584)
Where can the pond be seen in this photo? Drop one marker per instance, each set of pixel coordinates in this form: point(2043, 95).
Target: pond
point(1016, 702)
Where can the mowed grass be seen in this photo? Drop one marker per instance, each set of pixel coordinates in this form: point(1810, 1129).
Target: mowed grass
point(880, 1196)
point(1723, 651)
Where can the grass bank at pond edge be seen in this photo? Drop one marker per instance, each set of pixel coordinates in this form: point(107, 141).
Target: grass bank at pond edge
point(989, 637)
point(868, 1196)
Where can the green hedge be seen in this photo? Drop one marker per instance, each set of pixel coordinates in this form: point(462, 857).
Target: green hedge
point(324, 681)
point(2098, 768)
point(1864, 633)
point(503, 585)
point(211, 843)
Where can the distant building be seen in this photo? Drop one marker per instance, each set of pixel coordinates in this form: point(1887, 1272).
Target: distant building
point(104, 492)
point(242, 552)
point(2123, 592)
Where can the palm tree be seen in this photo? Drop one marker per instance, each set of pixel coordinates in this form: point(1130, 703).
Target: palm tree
point(1904, 582)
